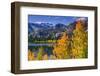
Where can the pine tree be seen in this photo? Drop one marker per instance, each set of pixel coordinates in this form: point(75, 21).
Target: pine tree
point(30, 55)
point(79, 42)
point(61, 47)
point(40, 54)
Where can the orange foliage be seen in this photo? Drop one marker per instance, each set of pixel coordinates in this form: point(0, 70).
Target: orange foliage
point(30, 55)
point(79, 25)
point(45, 57)
point(79, 42)
point(61, 47)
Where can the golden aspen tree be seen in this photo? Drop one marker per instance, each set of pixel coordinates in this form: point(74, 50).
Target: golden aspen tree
point(45, 57)
point(61, 47)
point(40, 53)
point(53, 57)
point(79, 42)
point(30, 55)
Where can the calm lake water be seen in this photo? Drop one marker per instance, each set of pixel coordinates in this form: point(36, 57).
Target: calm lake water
point(48, 47)
point(40, 44)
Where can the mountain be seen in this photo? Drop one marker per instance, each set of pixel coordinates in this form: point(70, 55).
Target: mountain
point(71, 26)
point(38, 26)
point(47, 31)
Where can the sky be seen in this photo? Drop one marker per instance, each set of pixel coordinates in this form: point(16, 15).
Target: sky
point(52, 19)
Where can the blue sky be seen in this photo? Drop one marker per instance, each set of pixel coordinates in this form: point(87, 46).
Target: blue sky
point(52, 19)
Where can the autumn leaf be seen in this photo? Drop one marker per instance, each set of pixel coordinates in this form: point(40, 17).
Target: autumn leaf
point(79, 42)
point(61, 47)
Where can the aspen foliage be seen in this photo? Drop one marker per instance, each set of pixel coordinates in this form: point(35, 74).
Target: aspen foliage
point(31, 55)
point(45, 57)
point(79, 42)
point(40, 53)
point(53, 57)
point(61, 47)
